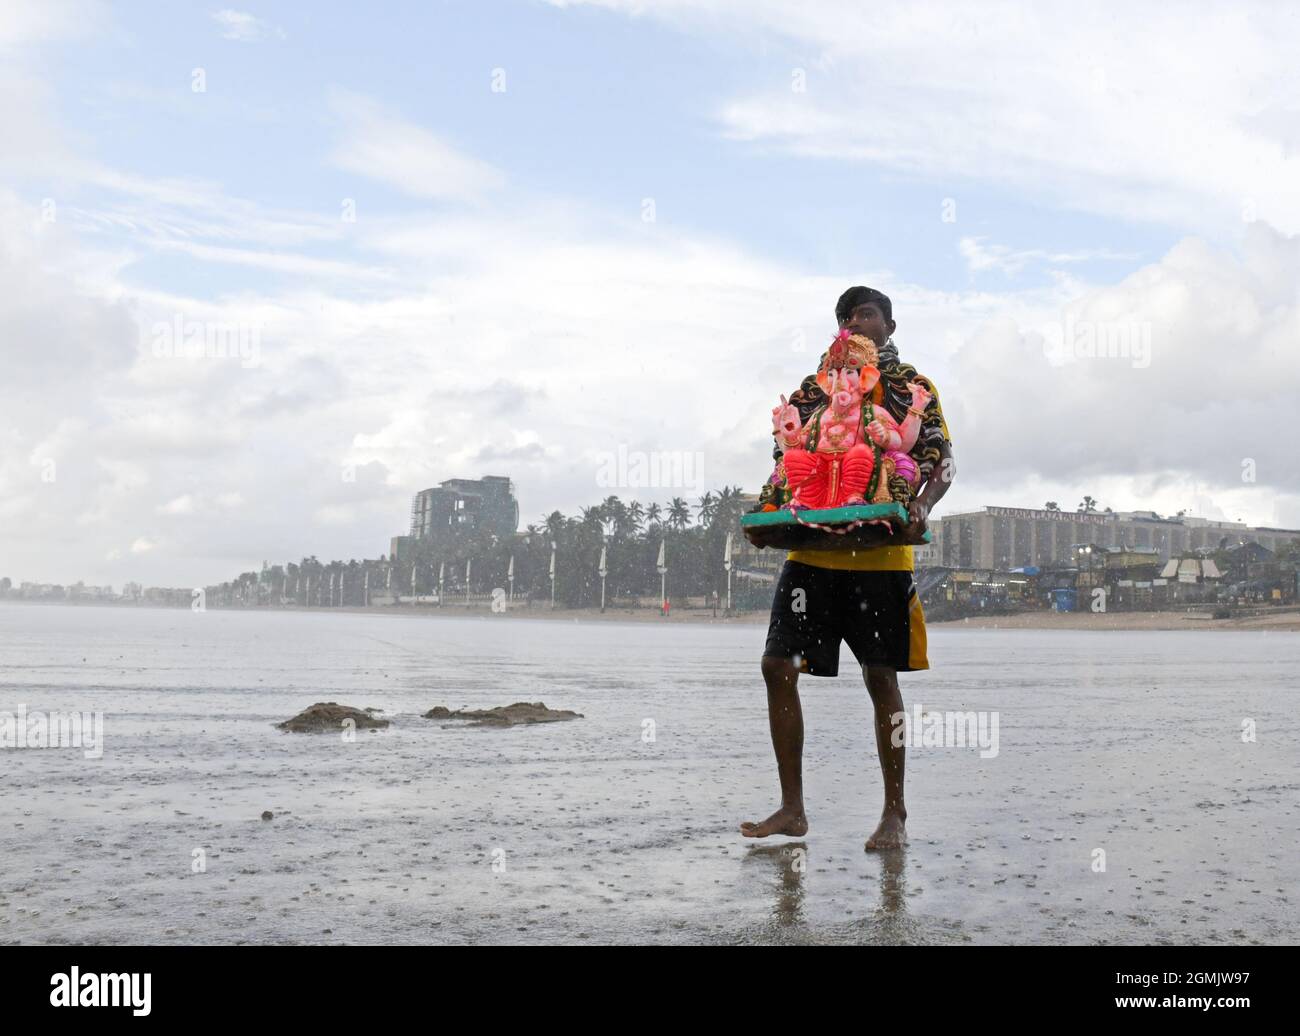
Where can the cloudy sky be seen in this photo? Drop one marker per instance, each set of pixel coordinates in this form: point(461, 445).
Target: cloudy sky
point(509, 238)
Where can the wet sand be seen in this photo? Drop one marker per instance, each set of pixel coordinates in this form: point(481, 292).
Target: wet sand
point(1279, 620)
point(622, 827)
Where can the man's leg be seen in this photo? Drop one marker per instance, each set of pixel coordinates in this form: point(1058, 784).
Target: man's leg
point(882, 683)
point(785, 718)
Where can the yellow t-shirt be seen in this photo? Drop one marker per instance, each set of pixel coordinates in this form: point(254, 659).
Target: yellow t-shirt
point(877, 559)
point(897, 558)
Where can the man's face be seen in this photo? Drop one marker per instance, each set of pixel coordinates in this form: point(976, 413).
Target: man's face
point(868, 321)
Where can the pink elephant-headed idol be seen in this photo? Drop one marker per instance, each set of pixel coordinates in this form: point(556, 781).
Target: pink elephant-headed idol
point(830, 460)
point(828, 464)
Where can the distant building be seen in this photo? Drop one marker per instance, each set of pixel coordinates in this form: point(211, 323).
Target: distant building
point(400, 548)
point(42, 592)
point(1249, 561)
point(487, 504)
point(752, 563)
point(80, 592)
point(1011, 537)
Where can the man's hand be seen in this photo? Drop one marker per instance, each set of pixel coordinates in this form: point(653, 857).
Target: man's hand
point(760, 535)
point(917, 516)
point(918, 511)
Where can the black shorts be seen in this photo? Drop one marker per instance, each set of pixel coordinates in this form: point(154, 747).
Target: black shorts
point(878, 614)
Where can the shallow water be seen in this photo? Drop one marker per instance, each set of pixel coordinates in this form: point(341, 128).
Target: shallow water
point(427, 832)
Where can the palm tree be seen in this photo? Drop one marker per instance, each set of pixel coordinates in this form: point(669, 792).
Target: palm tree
point(679, 513)
point(636, 516)
point(707, 507)
point(612, 506)
point(654, 515)
point(729, 505)
point(614, 511)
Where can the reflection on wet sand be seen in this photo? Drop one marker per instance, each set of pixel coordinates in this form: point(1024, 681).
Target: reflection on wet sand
point(789, 863)
point(886, 920)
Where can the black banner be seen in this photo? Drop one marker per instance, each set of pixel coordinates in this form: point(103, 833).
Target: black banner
point(143, 984)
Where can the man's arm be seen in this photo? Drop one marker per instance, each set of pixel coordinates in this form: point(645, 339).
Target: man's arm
point(941, 476)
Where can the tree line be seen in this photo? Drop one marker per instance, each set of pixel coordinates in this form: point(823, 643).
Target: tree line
point(693, 538)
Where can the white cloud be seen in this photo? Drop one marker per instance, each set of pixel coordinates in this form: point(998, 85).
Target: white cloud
point(1157, 430)
point(584, 335)
point(1182, 114)
point(981, 256)
point(30, 137)
point(385, 147)
point(180, 505)
point(277, 262)
point(245, 27)
point(28, 22)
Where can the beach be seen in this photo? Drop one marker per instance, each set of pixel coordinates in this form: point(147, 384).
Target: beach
point(1123, 753)
point(1278, 620)
point(1281, 620)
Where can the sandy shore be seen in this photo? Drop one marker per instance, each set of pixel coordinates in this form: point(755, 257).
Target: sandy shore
point(1281, 621)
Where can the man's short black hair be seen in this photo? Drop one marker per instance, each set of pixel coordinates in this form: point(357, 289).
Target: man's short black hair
point(855, 297)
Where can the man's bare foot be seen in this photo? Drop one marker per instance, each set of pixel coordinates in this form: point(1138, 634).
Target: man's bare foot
point(891, 833)
point(783, 822)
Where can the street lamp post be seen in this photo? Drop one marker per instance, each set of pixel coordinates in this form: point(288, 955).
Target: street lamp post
point(662, 566)
point(603, 571)
point(607, 532)
point(726, 563)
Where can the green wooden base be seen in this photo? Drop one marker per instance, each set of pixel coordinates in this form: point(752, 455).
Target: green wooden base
point(781, 530)
point(828, 515)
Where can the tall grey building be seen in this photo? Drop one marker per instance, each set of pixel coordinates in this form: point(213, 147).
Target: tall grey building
point(486, 503)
